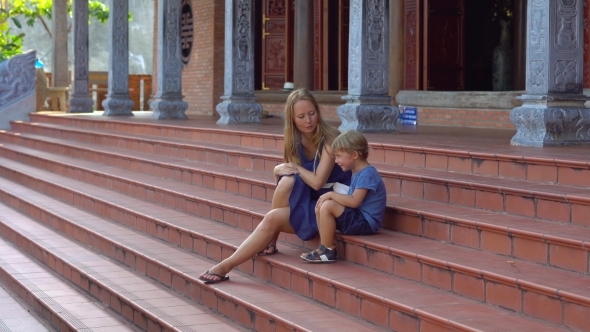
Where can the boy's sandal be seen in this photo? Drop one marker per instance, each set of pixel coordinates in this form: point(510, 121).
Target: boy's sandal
point(211, 281)
point(266, 251)
point(320, 255)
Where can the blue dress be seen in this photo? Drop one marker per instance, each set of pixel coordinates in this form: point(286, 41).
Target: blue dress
point(303, 198)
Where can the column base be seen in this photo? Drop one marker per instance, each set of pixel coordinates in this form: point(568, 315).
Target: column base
point(238, 112)
point(80, 104)
point(118, 106)
point(169, 108)
point(550, 126)
point(368, 118)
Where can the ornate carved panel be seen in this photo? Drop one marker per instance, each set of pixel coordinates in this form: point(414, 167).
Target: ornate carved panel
point(243, 47)
point(538, 25)
point(412, 51)
point(318, 35)
point(17, 77)
point(566, 38)
point(274, 43)
point(275, 55)
point(586, 46)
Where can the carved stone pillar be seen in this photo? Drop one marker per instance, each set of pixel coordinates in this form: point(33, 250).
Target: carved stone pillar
point(118, 101)
point(239, 104)
point(303, 61)
point(59, 56)
point(80, 101)
point(368, 106)
point(168, 103)
point(553, 111)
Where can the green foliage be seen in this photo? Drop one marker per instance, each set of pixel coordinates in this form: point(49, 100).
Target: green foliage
point(33, 11)
point(9, 44)
point(41, 9)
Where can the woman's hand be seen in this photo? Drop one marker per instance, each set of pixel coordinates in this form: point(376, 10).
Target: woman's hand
point(286, 169)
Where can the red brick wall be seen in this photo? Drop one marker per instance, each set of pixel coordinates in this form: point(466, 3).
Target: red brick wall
point(477, 118)
point(202, 78)
point(465, 118)
point(278, 110)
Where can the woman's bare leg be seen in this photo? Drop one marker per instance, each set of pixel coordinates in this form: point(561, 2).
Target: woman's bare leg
point(275, 221)
point(280, 199)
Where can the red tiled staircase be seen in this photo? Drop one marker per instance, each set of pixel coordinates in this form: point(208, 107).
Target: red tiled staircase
point(130, 211)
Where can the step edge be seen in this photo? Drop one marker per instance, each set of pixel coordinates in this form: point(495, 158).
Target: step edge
point(488, 275)
point(397, 147)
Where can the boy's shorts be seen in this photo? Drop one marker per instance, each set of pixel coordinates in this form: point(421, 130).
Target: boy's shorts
point(352, 222)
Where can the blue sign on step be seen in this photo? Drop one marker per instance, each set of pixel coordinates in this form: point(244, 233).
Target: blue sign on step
point(408, 115)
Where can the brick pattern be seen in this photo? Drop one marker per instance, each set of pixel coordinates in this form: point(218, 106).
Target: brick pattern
point(478, 118)
point(401, 255)
point(429, 271)
point(202, 77)
point(278, 110)
point(365, 303)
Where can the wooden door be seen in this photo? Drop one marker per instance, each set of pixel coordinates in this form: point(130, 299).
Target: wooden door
point(274, 43)
point(343, 29)
point(444, 68)
point(413, 44)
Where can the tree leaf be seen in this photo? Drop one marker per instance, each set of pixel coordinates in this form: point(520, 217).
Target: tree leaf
point(16, 22)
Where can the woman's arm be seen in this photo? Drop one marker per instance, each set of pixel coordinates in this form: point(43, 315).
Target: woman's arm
point(323, 169)
point(284, 169)
point(351, 201)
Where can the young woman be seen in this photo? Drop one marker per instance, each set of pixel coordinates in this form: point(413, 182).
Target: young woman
point(308, 172)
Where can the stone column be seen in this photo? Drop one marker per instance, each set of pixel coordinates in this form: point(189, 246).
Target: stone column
point(368, 107)
point(553, 111)
point(118, 101)
point(80, 101)
point(303, 61)
point(59, 56)
point(168, 103)
point(239, 104)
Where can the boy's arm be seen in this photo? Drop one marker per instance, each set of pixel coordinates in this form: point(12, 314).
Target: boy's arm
point(351, 201)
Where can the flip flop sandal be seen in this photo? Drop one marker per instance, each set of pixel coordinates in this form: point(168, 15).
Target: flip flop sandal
point(263, 253)
point(320, 255)
point(208, 281)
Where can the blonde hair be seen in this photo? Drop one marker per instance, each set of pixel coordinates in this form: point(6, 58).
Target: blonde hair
point(351, 141)
point(323, 131)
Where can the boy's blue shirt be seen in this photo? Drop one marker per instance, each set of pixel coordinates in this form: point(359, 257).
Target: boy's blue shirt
point(373, 206)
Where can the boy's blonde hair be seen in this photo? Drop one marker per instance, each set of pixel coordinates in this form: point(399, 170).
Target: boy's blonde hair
point(351, 141)
point(324, 133)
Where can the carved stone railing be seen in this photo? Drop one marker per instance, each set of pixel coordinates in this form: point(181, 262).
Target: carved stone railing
point(17, 78)
point(17, 88)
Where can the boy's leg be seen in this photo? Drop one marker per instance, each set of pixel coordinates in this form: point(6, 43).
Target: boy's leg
point(329, 211)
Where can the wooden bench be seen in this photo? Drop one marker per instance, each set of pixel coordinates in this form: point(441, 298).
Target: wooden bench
point(58, 95)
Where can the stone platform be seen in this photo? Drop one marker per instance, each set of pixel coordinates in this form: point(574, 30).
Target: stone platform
point(478, 234)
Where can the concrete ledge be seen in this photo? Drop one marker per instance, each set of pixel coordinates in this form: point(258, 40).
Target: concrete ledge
point(19, 110)
point(322, 97)
point(460, 99)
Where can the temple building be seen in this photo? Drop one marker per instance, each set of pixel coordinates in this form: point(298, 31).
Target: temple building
point(457, 63)
point(460, 63)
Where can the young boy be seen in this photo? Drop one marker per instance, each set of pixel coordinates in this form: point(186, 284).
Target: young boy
point(358, 213)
